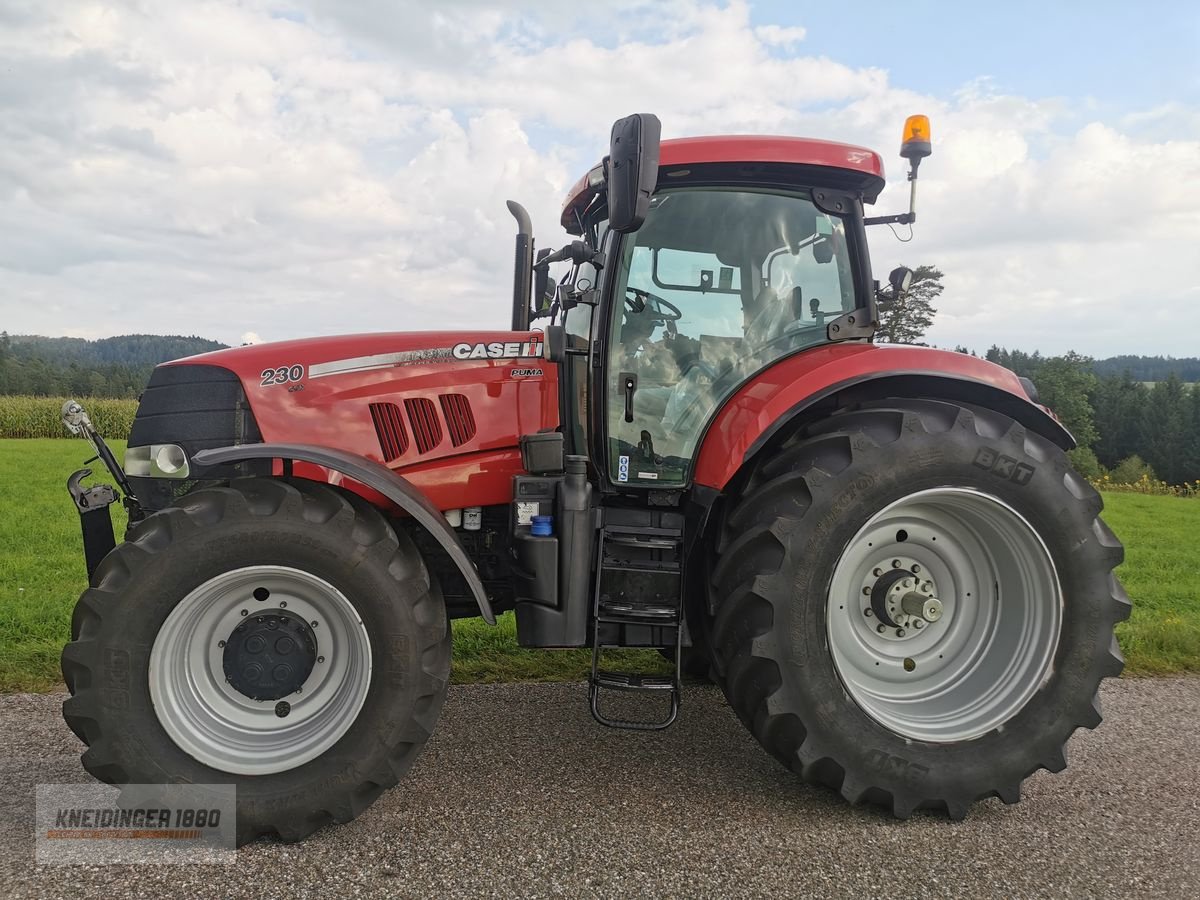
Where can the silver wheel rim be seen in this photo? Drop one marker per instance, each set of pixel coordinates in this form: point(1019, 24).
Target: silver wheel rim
point(217, 725)
point(976, 666)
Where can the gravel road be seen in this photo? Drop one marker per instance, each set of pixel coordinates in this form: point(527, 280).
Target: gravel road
point(520, 794)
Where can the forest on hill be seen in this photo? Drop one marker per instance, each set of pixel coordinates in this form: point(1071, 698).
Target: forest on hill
point(109, 367)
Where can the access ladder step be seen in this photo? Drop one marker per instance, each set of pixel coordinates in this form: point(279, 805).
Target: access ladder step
point(629, 613)
point(629, 681)
point(661, 685)
point(642, 543)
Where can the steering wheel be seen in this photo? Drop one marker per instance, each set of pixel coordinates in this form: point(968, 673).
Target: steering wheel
point(643, 301)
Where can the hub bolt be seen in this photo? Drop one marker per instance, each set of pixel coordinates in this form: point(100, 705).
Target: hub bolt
point(900, 632)
point(866, 590)
point(927, 608)
point(283, 604)
point(313, 623)
point(320, 659)
point(881, 629)
point(220, 643)
point(245, 612)
point(282, 708)
point(877, 572)
point(868, 612)
point(919, 624)
point(916, 568)
point(896, 564)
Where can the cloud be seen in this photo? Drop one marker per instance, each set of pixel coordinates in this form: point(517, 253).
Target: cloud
point(778, 36)
point(316, 167)
point(250, 337)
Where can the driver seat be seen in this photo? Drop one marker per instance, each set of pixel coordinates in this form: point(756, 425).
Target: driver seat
point(768, 317)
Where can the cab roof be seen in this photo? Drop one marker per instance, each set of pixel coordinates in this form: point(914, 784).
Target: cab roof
point(745, 148)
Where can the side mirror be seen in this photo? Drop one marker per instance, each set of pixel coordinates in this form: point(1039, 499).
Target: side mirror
point(632, 170)
point(900, 279)
point(543, 293)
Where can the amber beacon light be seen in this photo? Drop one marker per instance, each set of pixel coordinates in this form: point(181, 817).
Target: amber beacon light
point(916, 143)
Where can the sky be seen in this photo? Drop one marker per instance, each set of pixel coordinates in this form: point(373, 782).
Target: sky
point(268, 169)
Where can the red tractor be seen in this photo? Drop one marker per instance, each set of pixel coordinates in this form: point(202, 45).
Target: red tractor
point(880, 553)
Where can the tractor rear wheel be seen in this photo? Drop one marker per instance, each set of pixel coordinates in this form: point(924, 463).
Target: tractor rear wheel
point(915, 605)
point(275, 635)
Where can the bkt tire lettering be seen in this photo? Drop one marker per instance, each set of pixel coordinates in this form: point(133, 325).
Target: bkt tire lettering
point(1004, 466)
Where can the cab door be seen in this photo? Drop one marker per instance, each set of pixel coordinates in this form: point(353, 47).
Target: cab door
point(717, 284)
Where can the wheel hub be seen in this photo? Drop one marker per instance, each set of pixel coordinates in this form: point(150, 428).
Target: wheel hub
point(216, 685)
point(903, 597)
point(943, 615)
point(268, 657)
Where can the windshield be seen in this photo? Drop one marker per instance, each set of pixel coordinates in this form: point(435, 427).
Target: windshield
point(716, 285)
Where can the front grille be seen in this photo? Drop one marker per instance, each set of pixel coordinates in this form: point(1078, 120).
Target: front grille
point(426, 428)
point(460, 421)
point(389, 426)
point(198, 407)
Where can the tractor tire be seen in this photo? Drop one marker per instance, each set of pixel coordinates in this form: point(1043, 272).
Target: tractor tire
point(335, 659)
point(931, 705)
point(694, 663)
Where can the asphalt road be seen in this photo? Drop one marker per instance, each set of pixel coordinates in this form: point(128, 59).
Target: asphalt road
point(520, 794)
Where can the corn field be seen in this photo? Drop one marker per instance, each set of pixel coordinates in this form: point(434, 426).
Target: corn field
point(40, 417)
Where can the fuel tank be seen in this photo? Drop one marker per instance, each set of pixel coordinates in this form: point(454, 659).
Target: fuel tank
point(445, 409)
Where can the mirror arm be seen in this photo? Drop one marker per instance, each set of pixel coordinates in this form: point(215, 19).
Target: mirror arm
point(909, 217)
point(577, 252)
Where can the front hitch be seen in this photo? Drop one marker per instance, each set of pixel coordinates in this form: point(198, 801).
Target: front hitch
point(92, 503)
point(94, 515)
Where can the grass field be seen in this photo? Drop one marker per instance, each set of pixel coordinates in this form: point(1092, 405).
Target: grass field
point(41, 575)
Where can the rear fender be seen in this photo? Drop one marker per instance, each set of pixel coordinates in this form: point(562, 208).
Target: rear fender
point(378, 478)
point(810, 385)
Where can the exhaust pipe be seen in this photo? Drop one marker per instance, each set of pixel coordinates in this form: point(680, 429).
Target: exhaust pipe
point(522, 267)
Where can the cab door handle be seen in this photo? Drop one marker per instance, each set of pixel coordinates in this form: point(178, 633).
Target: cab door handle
point(629, 386)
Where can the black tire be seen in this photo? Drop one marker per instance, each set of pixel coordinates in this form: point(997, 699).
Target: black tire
point(258, 522)
point(694, 663)
point(781, 543)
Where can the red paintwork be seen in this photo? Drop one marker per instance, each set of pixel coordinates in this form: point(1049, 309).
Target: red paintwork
point(767, 396)
point(333, 410)
point(749, 149)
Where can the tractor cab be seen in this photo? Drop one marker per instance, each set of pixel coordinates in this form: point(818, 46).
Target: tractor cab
point(745, 250)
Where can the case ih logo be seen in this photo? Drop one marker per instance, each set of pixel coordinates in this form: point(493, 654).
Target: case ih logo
point(498, 350)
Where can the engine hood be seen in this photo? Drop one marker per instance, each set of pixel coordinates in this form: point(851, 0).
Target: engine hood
point(409, 399)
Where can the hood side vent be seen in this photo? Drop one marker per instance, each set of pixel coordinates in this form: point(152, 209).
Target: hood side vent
point(426, 427)
point(459, 418)
point(389, 426)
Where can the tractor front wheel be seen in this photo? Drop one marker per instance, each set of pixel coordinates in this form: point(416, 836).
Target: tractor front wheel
point(915, 605)
point(277, 636)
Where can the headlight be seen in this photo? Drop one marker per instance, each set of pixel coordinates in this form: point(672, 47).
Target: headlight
point(157, 461)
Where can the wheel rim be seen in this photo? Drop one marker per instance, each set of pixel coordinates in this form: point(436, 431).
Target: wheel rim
point(974, 666)
point(218, 725)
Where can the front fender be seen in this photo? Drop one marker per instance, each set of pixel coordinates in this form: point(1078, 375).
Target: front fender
point(378, 478)
point(800, 386)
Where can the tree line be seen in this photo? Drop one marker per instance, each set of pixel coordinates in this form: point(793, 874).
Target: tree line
point(1121, 423)
point(110, 367)
point(1131, 415)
